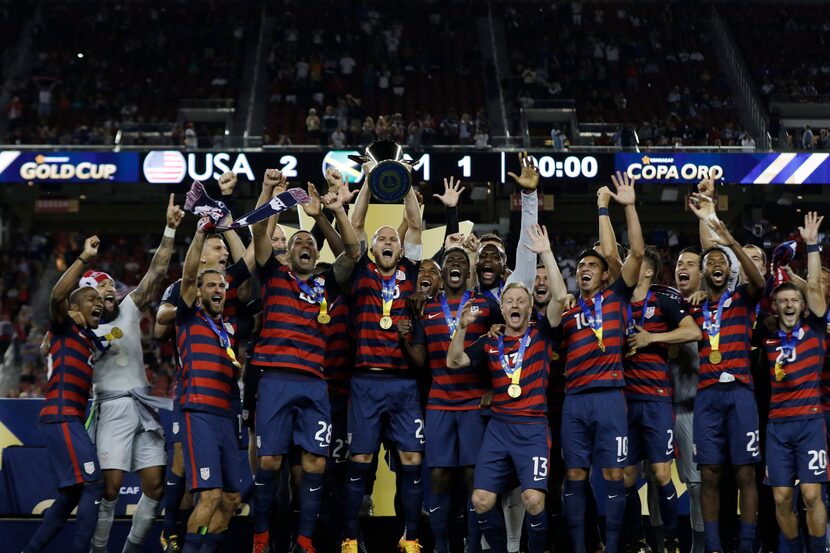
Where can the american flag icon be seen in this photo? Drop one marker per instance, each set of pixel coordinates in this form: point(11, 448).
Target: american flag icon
point(163, 167)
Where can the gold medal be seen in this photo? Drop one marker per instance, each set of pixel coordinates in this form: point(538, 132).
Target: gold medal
point(232, 355)
point(514, 391)
point(324, 318)
point(715, 357)
point(779, 372)
point(674, 351)
point(386, 322)
point(115, 334)
point(601, 345)
point(631, 353)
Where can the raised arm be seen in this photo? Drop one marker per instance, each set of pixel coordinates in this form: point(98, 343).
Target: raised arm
point(334, 201)
point(361, 207)
point(262, 242)
point(528, 180)
point(723, 237)
point(607, 237)
point(456, 358)
point(190, 271)
point(412, 244)
point(809, 233)
point(702, 205)
point(58, 306)
point(150, 286)
point(540, 245)
point(625, 196)
point(452, 191)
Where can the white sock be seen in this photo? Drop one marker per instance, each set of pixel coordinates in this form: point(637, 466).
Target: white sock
point(145, 514)
point(514, 516)
point(106, 514)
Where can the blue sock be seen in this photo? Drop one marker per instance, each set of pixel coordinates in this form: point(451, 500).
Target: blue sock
point(614, 514)
point(573, 495)
point(54, 519)
point(87, 516)
point(667, 497)
point(265, 486)
point(311, 496)
point(413, 496)
point(746, 537)
point(473, 531)
point(439, 520)
point(633, 514)
point(711, 535)
point(211, 542)
point(491, 524)
point(795, 546)
point(818, 544)
point(355, 488)
point(174, 489)
point(193, 543)
point(536, 527)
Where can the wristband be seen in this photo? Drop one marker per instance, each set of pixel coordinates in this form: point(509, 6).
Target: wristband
point(603, 212)
point(169, 232)
point(813, 248)
point(82, 260)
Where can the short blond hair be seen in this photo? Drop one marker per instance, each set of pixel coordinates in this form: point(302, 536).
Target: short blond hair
point(515, 285)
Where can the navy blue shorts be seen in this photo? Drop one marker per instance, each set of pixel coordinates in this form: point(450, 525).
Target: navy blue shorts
point(454, 437)
point(511, 449)
point(595, 430)
point(292, 409)
point(211, 451)
point(726, 426)
point(384, 406)
point(650, 432)
point(71, 453)
point(339, 449)
point(795, 450)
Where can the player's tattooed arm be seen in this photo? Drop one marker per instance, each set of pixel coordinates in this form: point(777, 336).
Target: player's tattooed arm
point(722, 237)
point(59, 299)
point(607, 238)
point(190, 271)
point(456, 357)
point(539, 243)
point(151, 284)
point(814, 293)
point(335, 201)
point(273, 181)
point(361, 207)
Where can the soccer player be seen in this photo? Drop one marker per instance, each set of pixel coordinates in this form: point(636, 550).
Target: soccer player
point(71, 452)
point(384, 394)
point(454, 424)
point(292, 399)
point(517, 439)
point(210, 371)
point(594, 421)
point(726, 416)
point(125, 425)
point(796, 447)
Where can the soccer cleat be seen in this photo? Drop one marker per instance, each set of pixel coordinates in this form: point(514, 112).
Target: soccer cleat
point(671, 545)
point(303, 549)
point(348, 546)
point(409, 546)
point(261, 542)
point(639, 546)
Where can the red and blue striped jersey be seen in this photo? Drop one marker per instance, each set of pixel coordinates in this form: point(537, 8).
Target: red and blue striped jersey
point(378, 348)
point(70, 374)
point(454, 389)
point(798, 394)
point(291, 336)
point(209, 376)
point(339, 361)
point(735, 339)
point(647, 375)
point(531, 405)
point(587, 367)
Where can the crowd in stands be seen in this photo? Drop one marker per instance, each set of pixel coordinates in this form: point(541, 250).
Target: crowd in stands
point(338, 69)
point(651, 70)
point(98, 67)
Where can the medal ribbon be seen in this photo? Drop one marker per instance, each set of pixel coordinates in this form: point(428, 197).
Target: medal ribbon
point(631, 324)
point(317, 294)
point(452, 322)
point(514, 372)
point(388, 293)
point(713, 329)
point(98, 342)
point(594, 316)
point(222, 333)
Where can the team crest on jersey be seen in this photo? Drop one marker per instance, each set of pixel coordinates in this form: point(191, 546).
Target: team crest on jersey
point(320, 280)
point(175, 428)
point(204, 472)
point(728, 302)
point(649, 312)
point(89, 467)
point(229, 328)
point(400, 275)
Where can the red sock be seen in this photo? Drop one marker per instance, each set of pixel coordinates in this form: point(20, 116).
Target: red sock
point(261, 537)
point(305, 543)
